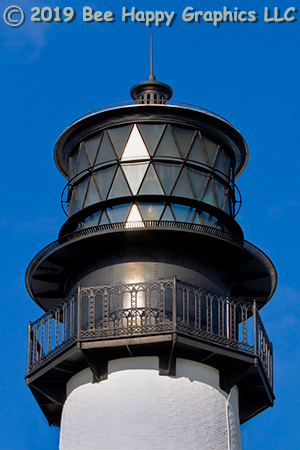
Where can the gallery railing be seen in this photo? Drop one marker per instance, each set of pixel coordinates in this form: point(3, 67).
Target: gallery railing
point(156, 307)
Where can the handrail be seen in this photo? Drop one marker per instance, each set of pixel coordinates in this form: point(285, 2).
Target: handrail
point(153, 224)
point(163, 306)
point(140, 103)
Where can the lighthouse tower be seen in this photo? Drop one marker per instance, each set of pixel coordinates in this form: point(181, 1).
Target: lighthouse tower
point(151, 336)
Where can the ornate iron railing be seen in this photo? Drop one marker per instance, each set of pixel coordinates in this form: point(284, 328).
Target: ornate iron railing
point(157, 307)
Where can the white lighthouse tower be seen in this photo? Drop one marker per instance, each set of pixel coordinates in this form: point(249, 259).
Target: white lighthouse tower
point(151, 336)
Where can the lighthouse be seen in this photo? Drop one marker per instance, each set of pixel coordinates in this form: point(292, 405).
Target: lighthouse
point(151, 335)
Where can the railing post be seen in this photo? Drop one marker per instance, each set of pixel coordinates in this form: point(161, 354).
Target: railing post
point(254, 328)
point(174, 298)
point(78, 311)
point(28, 346)
point(227, 318)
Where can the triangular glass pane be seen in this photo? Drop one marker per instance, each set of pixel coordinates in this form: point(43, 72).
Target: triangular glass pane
point(83, 159)
point(120, 187)
point(151, 212)
point(151, 134)
point(93, 194)
point(104, 219)
point(92, 146)
point(119, 137)
point(167, 215)
point(81, 189)
point(227, 161)
point(209, 220)
point(211, 148)
point(197, 153)
point(74, 159)
point(227, 205)
point(209, 196)
point(118, 213)
point(183, 138)
point(219, 163)
point(221, 192)
point(167, 146)
point(104, 179)
point(106, 152)
point(70, 169)
point(135, 147)
point(75, 203)
point(182, 187)
point(183, 213)
point(134, 218)
point(135, 174)
point(151, 184)
point(92, 221)
point(198, 180)
point(197, 220)
point(167, 174)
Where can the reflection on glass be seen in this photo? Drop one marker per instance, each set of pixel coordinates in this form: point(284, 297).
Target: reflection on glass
point(120, 187)
point(92, 221)
point(104, 180)
point(151, 212)
point(134, 216)
point(135, 147)
point(182, 187)
point(135, 174)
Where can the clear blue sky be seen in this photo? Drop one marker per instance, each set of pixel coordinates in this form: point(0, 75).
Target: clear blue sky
point(51, 73)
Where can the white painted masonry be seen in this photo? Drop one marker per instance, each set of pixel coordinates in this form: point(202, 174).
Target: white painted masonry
point(136, 409)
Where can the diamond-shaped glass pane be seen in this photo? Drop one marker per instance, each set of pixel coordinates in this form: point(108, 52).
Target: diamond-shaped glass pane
point(104, 179)
point(92, 194)
point(151, 134)
point(118, 213)
point(150, 212)
point(184, 138)
point(167, 146)
point(182, 186)
point(167, 174)
point(197, 152)
point(92, 146)
point(119, 137)
point(120, 187)
point(198, 180)
point(211, 149)
point(134, 174)
point(183, 213)
point(106, 151)
point(151, 184)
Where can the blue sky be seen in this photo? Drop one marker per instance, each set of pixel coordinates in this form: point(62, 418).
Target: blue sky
point(52, 73)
